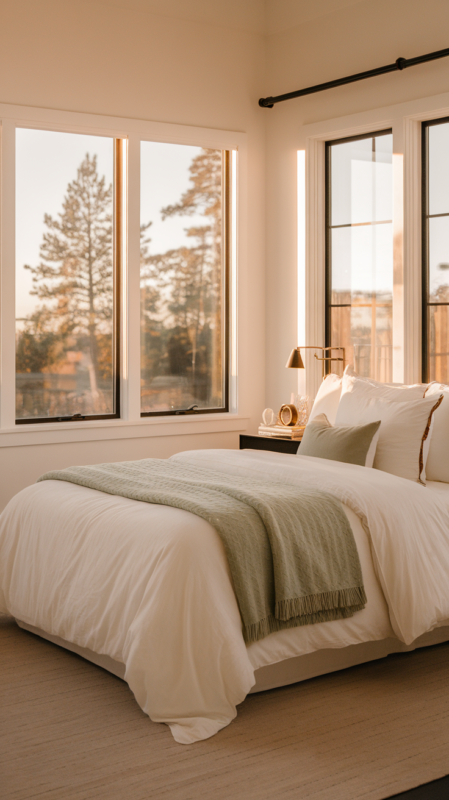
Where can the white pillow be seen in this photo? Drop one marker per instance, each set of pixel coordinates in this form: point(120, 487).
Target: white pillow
point(404, 429)
point(353, 383)
point(327, 399)
point(371, 454)
point(437, 467)
point(353, 374)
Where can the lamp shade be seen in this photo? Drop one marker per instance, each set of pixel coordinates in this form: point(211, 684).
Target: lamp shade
point(295, 361)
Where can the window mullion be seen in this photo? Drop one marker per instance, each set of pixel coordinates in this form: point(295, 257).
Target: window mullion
point(131, 291)
point(7, 294)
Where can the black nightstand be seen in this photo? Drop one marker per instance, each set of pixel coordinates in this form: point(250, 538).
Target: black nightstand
point(265, 443)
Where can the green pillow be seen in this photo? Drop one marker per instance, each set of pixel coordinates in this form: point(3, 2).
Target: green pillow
point(350, 445)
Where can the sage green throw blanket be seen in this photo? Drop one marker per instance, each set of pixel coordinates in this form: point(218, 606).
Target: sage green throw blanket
point(291, 551)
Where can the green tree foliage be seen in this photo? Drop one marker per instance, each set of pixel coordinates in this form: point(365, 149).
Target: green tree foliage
point(187, 283)
point(152, 334)
point(75, 273)
point(36, 345)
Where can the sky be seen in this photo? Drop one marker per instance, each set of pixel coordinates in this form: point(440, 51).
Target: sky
point(47, 161)
point(164, 178)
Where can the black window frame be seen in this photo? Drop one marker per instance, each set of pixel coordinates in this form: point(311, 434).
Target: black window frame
point(425, 216)
point(328, 232)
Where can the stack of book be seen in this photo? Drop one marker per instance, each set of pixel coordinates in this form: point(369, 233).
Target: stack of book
point(282, 431)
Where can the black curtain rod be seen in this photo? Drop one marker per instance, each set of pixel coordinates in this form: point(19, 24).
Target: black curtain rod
point(400, 63)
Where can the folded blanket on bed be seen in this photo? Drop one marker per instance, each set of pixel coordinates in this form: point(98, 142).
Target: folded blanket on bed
point(291, 551)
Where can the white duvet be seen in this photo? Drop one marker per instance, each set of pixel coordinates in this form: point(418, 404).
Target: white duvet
point(149, 585)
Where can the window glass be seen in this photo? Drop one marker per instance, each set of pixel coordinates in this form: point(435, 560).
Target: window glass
point(360, 181)
point(438, 339)
point(64, 275)
point(183, 277)
point(436, 251)
point(439, 259)
point(438, 169)
point(360, 252)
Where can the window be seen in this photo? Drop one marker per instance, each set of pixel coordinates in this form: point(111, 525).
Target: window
point(435, 227)
point(118, 274)
point(359, 251)
point(68, 232)
point(184, 257)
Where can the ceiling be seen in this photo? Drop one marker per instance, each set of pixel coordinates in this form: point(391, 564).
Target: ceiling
point(265, 17)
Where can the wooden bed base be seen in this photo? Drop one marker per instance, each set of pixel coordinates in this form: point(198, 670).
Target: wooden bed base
point(283, 673)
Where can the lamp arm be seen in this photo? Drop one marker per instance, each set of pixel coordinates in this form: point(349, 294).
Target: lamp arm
point(331, 357)
point(324, 358)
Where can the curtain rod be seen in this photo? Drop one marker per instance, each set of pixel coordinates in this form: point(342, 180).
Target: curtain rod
point(400, 63)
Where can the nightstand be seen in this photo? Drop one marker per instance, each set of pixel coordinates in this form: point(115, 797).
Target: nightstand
point(266, 443)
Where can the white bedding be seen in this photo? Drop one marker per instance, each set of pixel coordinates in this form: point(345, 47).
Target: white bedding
point(149, 585)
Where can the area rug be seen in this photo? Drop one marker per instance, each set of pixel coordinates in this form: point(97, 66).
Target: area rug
point(71, 731)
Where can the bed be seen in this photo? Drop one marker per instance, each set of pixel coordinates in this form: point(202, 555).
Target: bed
point(145, 591)
point(147, 587)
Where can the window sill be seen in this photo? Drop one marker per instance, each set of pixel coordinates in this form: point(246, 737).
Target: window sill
point(100, 430)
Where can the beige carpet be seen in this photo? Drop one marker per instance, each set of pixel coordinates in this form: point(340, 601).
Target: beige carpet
point(70, 731)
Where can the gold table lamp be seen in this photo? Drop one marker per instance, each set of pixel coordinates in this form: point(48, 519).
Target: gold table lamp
point(295, 360)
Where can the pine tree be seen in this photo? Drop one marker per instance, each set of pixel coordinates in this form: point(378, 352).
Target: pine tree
point(151, 340)
point(189, 281)
point(76, 269)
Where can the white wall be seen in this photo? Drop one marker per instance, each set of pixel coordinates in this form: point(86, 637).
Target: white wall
point(114, 57)
point(206, 63)
point(356, 37)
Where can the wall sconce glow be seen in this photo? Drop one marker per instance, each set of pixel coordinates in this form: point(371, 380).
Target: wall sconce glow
point(233, 282)
point(398, 269)
point(301, 225)
point(124, 354)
